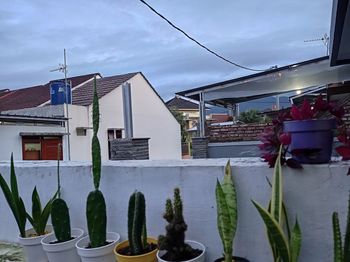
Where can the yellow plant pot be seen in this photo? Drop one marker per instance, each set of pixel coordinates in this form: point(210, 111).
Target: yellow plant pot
point(148, 257)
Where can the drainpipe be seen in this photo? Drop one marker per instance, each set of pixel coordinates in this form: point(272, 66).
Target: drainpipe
point(127, 110)
point(201, 116)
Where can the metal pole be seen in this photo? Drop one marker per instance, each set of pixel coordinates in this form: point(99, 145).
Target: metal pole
point(201, 116)
point(66, 90)
point(127, 110)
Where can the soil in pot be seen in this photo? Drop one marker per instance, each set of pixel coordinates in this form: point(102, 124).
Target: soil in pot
point(125, 251)
point(234, 259)
point(57, 242)
point(191, 254)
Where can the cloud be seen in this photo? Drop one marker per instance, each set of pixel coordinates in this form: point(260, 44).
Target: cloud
point(119, 36)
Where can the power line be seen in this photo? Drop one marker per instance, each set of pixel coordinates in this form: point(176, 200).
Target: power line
point(200, 44)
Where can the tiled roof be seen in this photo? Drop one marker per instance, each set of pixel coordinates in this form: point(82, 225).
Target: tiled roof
point(33, 96)
point(180, 103)
point(83, 94)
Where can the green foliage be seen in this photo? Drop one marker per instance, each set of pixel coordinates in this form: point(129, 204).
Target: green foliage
point(13, 199)
point(40, 216)
point(137, 232)
point(174, 240)
point(251, 116)
point(285, 248)
point(97, 218)
point(341, 253)
point(96, 206)
point(179, 116)
point(226, 202)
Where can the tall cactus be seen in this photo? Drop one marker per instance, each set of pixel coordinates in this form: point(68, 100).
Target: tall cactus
point(59, 211)
point(226, 202)
point(96, 205)
point(14, 200)
point(137, 232)
point(174, 240)
point(341, 253)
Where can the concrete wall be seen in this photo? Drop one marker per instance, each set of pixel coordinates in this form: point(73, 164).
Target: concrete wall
point(313, 194)
point(11, 141)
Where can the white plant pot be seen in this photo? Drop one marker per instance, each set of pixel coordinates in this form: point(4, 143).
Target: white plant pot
point(32, 247)
point(98, 254)
point(65, 251)
point(193, 244)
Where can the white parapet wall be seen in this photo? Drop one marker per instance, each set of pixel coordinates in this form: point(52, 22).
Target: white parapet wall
point(312, 194)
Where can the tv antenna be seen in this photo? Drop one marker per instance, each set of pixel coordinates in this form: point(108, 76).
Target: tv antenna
point(63, 68)
point(324, 39)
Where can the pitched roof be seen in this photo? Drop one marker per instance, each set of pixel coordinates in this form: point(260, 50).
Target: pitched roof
point(83, 94)
point(180, 103)
point(33, 96)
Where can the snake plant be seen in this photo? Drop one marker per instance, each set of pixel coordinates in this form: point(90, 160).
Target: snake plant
point(285, 246)
point(226, 202)
point(341, 253)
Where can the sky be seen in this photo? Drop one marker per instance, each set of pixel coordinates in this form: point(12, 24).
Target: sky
point(120, 36)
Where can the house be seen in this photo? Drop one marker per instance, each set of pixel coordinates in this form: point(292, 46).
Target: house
point(75, 133)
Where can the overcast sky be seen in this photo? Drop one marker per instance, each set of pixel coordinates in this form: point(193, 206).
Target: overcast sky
point(119, 36)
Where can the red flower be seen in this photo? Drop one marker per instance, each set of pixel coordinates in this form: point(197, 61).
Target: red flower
point(285, 139)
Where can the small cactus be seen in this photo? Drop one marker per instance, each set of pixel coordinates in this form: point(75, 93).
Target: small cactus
point(137, 232)
point(174, 240)
point(96, 206)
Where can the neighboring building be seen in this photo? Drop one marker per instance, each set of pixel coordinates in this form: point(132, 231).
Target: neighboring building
point(188, 108)
point(148, 110)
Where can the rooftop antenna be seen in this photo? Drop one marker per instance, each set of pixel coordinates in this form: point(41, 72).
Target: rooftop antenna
point(324, 39)
point(63, 68)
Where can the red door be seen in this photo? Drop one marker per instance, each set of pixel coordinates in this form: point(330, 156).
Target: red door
point(49, 147)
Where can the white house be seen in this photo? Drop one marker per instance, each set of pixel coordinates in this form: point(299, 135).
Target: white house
point(150, 116)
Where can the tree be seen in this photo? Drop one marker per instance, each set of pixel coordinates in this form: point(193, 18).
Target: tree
point(250, 116)
point(182, 121)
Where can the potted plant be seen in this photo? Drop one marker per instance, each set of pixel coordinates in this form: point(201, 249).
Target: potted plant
point(341, 252)
point(98, 245)
point(306, 133)
point(285, 247)
point(138, 247)
point(61, 245)
point(29, 239)
point(173, 246)
point(226, 202)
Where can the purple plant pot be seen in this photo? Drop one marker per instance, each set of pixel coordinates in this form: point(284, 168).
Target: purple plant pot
point(312, 140)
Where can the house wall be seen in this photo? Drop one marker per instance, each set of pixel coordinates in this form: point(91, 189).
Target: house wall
point(151, 119)
point(11, 141)
point(311, 194)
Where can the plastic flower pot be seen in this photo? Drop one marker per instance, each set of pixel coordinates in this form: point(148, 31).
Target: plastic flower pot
point(98, 254)
point(32, 247)
point(193, 244)
point(312, 140)
point(148, 257)
point(64, 251)
point(234, 259)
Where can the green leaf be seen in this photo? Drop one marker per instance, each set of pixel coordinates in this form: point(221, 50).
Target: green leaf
point(13, 181)
point(338, 252)
point(36, 207)
point(223, 219)
point(276, 198)
point(295, 242)
point(347, 236)
point(276, 233)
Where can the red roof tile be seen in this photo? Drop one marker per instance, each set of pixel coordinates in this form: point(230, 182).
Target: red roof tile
point(33, 96)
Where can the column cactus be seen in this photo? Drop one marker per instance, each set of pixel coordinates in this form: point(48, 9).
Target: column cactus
point(174, 240)
point(59, 211)
point(96, 205)
point(137, 232)
point(341, 253)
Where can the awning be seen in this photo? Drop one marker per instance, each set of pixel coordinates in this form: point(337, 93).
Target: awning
point(311, 73)
point(43, 134)
point(340, 33)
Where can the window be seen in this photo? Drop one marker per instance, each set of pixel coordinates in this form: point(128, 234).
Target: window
point(41, 147)
point(113, 133)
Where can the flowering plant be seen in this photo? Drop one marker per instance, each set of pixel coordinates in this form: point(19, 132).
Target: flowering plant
point(273, 136)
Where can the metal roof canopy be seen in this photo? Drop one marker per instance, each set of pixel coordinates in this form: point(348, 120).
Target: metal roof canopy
point(285, 79)
point(340, 33)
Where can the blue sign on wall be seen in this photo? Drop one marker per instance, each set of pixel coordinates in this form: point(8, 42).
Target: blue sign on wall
point(58, 92)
